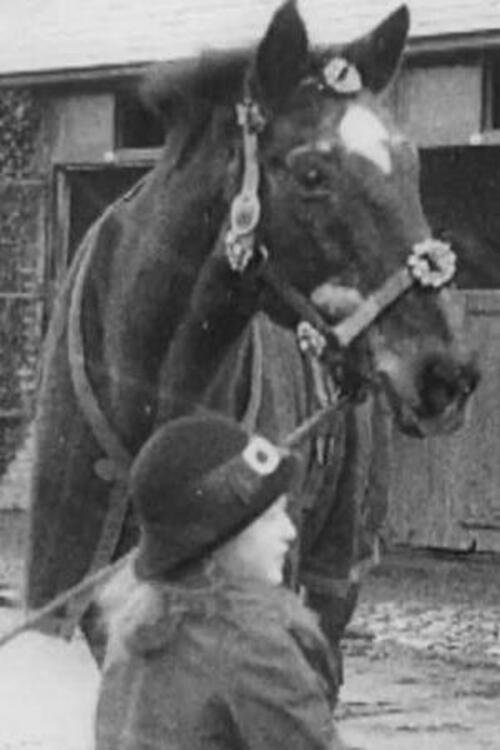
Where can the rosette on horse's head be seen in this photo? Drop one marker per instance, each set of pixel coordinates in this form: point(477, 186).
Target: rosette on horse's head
point(285, 192)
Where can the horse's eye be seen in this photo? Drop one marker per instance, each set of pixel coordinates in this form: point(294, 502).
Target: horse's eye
point(312, 178)
point(311, 169)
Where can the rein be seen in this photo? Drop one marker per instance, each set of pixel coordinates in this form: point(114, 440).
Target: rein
point(83, 590)
point(113, 468)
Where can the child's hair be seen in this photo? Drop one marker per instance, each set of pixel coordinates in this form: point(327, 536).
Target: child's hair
point(127, 605)
point(143, 616)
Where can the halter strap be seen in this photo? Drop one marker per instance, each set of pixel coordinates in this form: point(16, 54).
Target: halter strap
point(431, 263)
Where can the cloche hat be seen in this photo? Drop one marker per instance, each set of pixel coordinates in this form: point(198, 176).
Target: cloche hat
point(197, 482)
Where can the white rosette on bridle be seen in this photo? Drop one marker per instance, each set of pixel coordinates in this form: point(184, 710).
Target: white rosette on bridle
point(432, 263)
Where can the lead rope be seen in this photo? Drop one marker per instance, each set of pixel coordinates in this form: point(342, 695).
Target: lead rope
point(84, 590)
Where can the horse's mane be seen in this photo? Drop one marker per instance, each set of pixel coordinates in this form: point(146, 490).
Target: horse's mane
point(177, 90)
point(215, 77)
point(185, 93)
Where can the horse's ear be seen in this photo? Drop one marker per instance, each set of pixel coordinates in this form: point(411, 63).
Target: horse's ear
point(281, 56)
point(377, 54)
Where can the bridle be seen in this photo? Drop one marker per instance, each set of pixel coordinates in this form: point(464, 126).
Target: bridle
point(431, 263)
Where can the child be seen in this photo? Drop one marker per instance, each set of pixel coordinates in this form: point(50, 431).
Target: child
point(208, 651)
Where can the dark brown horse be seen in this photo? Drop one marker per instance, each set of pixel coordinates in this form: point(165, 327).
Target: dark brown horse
point(153, 320)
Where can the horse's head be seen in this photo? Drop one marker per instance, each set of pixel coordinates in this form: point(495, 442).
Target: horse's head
point(338, 191)
point(340, 204)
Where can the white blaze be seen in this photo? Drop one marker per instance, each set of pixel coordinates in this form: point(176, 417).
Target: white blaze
point(363, 133)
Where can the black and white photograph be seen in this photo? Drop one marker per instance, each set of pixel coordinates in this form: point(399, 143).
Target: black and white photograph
point(249, 375)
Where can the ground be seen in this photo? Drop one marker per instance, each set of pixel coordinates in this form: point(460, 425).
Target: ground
point(422, 661)
point(423, 656)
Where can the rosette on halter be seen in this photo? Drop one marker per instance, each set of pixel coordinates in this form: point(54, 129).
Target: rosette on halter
point(432, 263)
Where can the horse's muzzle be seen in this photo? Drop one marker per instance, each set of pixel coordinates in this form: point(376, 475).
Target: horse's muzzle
point(443, 382)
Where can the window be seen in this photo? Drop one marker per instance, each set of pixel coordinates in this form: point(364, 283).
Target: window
point(135, 126)
point(491, 106)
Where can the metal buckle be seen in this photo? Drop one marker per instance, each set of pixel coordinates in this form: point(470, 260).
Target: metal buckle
point(239, 250)
point(245, 213)
point(310, 340)
point(250, 117)
point(432, 263)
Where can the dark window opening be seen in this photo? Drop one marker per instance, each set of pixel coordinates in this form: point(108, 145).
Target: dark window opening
point(461, 193)
point(136, 127)
point(90, 193)
point(494, 94)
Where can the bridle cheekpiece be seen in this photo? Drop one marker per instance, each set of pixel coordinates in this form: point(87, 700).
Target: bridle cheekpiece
point(245, 208)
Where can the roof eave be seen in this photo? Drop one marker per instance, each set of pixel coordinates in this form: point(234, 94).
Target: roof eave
point(452, 44)
point(99, 74)
point(424, 47)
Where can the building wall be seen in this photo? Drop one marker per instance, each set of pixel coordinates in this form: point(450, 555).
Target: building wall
point(78, 126)
point(23, 208)
point(440, 104)
point(445, 489)
point(46, 135)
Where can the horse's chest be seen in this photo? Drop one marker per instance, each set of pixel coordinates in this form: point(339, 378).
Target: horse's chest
point(285, 388)
point(268, 385)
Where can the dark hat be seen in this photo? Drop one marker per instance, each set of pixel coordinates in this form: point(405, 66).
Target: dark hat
point(197, 482)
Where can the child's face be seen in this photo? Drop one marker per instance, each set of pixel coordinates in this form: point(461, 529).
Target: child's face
point(259, 551)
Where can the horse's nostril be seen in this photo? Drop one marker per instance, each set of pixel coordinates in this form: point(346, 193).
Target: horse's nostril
point(469, 379)
point(442, 380)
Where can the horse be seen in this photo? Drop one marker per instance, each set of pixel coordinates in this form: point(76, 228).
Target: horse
point(285, 193)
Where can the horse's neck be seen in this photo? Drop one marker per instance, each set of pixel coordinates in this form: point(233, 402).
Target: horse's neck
point(150, 249)
point(265, 382)
point(221, 304)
